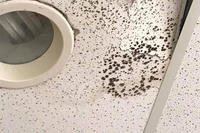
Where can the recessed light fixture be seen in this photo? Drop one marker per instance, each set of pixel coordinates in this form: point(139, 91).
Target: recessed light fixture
point(36, 41)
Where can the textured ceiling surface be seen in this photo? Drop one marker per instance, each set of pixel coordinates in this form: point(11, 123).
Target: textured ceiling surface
point(182, 111)
point(122, 49)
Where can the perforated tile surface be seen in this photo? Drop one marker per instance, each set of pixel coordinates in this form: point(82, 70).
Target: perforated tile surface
point(121, 52)
point(182, 111)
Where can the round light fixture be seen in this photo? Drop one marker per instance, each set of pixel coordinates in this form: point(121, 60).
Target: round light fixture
point(36, 41)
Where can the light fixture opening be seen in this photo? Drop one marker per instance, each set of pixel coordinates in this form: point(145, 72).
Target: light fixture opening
point(25, 36)
point(35, 44)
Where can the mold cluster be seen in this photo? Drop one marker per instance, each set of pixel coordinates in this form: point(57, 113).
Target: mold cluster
point(139, 41)
point(123, 78)
point(128, 42)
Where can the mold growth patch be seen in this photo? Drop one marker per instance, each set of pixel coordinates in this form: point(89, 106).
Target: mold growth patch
point(124, 45)
point(139, 62)
point(122, 76)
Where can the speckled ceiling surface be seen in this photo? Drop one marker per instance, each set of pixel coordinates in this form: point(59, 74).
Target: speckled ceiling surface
point(182, 111)
point(121, 53)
